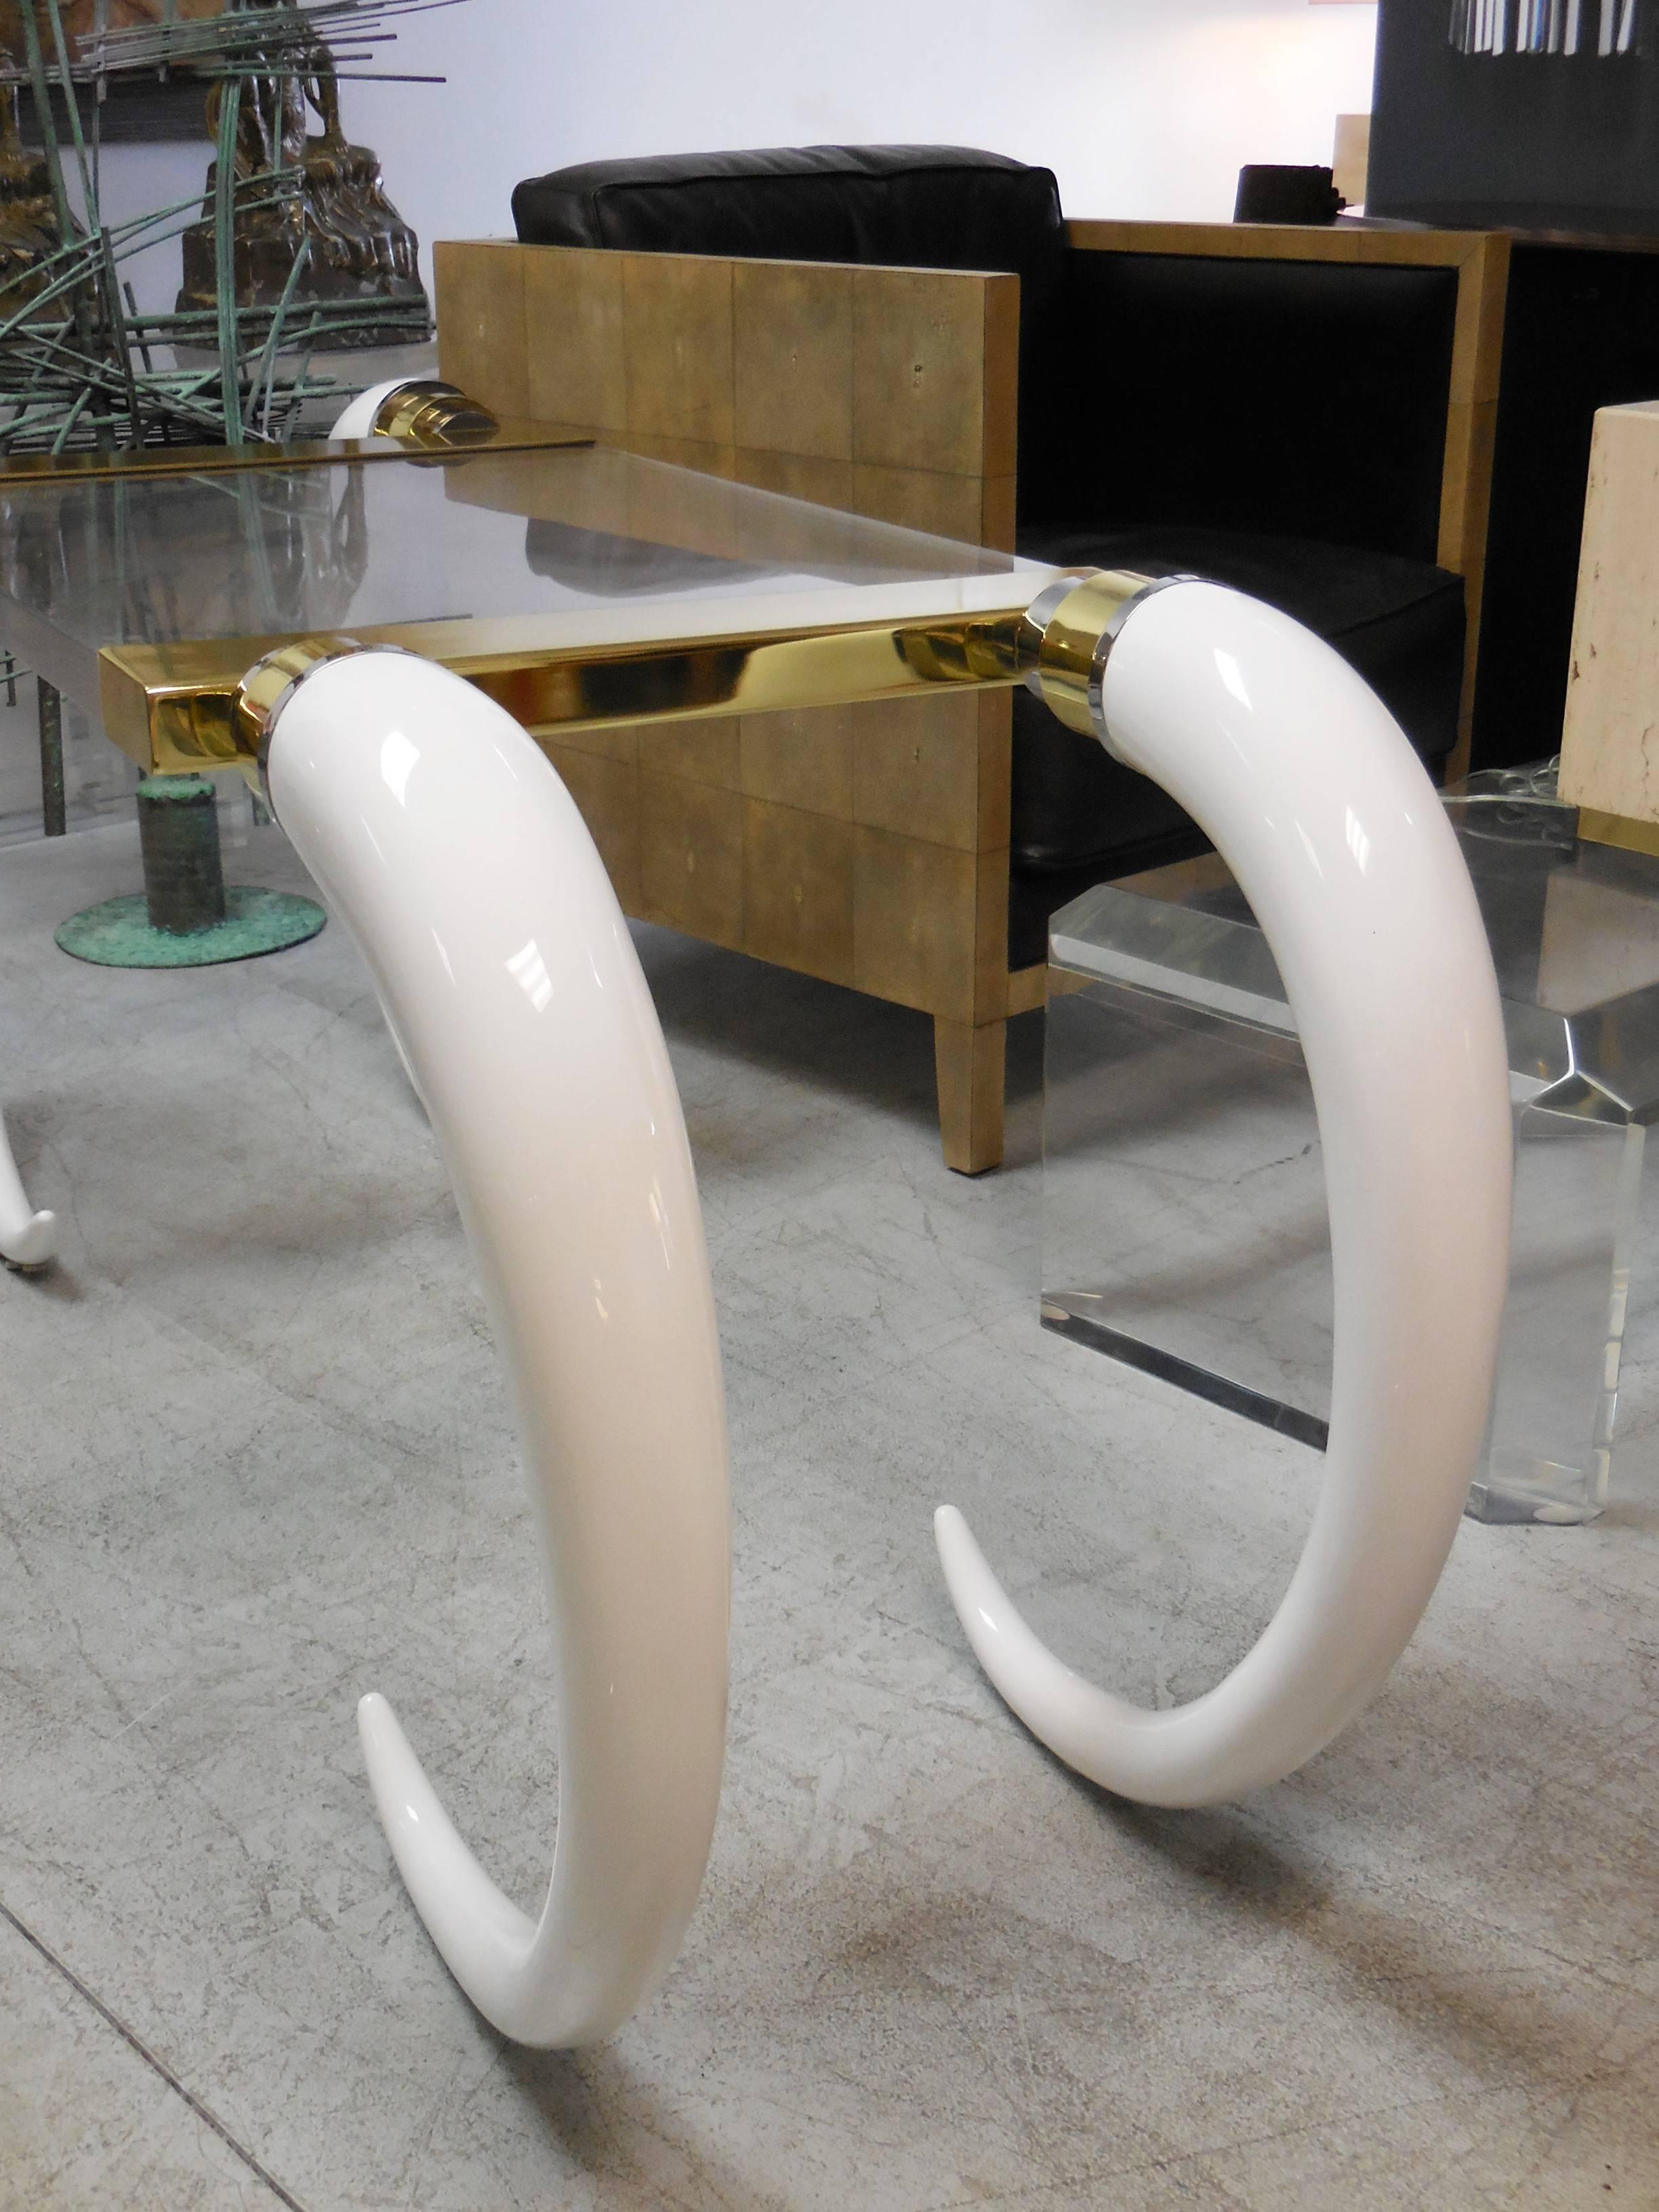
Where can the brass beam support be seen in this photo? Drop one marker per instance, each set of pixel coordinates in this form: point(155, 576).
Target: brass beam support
point(180, 709)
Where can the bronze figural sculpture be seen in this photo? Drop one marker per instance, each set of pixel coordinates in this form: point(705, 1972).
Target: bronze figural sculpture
point(28, 221)
point(357, 246)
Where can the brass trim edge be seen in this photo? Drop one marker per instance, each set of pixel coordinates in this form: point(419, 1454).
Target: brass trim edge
point(1623, 831)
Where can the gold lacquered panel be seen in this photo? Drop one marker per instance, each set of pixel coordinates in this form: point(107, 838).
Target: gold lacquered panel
point(915, 768)
point(914, 909)
point(702, 751)
point(691, 857)
point(576, 370)
point(792, 359)
point(798, 889)
point(802, 759)
point(482, 332)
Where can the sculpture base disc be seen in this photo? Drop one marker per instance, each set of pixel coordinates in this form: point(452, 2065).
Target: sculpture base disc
point(118, 933)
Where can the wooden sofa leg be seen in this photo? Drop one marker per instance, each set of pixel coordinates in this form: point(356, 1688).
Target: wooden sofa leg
point(969, 1062)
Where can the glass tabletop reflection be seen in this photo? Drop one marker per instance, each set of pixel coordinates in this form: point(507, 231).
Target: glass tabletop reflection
point(597, 544)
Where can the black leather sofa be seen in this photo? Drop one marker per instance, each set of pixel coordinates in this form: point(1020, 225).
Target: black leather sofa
point(1277, 426)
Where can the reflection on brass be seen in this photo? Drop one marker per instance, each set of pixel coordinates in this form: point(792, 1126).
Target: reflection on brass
point(181, 707)
point(1619, 829)
point(36, 470)
point(437, 418)
point(1067, 637)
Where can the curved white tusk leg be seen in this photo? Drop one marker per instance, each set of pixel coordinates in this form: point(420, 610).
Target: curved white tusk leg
point(29, 1240)
point(452, 851)
point(1306, 784)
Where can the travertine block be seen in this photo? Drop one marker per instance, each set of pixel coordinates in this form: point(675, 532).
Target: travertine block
point(1610, 743)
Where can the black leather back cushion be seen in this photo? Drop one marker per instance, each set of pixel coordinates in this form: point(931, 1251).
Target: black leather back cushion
point(919, 207)
point(905, 206)
point(1302, 399)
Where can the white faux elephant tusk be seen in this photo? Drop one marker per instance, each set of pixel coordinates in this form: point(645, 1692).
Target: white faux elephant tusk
point(28, 1239)
point(448, 845)
point(1309, 789)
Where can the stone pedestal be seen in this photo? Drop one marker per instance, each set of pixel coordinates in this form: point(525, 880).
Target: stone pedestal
point(1610, 741)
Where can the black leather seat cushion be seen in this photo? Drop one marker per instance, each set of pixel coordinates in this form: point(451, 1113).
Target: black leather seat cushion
point(902, 207)
point(1080, 817)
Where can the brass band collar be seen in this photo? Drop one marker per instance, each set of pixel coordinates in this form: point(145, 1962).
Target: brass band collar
point(435, 417)
point(1068, 637)
point(271, 684)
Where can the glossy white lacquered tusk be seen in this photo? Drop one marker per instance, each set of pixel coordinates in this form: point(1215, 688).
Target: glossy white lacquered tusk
point(445, 840)
point(28, 1239)
point(1310, 791)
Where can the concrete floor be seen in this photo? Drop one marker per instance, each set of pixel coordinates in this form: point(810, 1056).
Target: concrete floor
point(254, 1461)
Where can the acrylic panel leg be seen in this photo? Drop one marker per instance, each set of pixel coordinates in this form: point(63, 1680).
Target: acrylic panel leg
point(1578, 1186)
point(1183, 1201)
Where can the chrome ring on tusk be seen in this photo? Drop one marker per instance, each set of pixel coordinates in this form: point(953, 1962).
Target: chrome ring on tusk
point(445, 841)
point(1314, 797)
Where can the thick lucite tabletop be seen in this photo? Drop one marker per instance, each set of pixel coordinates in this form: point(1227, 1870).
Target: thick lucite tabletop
point(593, 545)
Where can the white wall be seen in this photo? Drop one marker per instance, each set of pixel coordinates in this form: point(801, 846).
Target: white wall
point(1142, 107)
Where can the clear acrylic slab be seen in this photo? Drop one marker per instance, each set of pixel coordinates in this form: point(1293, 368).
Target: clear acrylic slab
point(1184, 1224)
point(591, 545)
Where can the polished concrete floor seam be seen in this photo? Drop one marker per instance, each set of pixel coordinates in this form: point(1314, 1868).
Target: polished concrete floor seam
point(157, 2065)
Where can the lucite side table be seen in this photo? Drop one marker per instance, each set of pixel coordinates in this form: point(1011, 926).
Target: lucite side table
point(1183, 1191)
